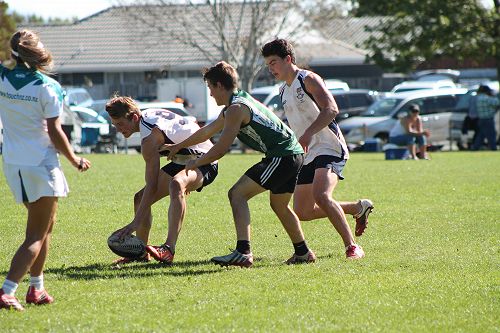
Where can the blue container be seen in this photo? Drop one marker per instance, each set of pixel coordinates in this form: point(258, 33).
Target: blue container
point(372, 145)
point(89, 136)
point(397, 154)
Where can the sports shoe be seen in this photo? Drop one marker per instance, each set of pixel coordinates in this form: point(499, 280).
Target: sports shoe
point(9, 302)
point(354, 252)
point(307, 258)
point(162, 253)
point(123, 261)
point(234, 258)
point(362, 217)
point(38, 297)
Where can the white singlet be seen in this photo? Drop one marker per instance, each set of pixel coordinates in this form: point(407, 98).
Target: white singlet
point(301, 111)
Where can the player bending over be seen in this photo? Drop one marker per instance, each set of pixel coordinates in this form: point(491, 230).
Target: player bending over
point(157, 127)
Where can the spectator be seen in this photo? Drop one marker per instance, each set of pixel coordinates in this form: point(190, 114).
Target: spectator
point(409, 131)
point(486, 107)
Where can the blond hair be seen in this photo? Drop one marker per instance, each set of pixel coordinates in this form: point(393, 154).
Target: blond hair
point(27, 48)
point(122, 106)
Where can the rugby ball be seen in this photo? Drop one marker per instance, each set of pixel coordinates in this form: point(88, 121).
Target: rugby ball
point(129, 246)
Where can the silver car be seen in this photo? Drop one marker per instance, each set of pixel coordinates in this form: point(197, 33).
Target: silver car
point(378, 120)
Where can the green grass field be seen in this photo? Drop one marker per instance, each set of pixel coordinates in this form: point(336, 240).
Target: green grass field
point(432, 255)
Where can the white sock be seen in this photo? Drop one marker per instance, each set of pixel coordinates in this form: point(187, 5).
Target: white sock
point(9, 287)
point(37, 282)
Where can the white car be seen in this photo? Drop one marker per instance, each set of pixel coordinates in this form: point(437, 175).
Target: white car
point(420, 85)
point(93, 125)
point(378, 120)
point(134, 141)
point(78, 96)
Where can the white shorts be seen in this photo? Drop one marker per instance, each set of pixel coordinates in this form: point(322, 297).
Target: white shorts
point(30, 183)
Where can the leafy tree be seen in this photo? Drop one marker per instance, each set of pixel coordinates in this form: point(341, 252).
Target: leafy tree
point(233, 31)
point(7, 28)
point(423, 30)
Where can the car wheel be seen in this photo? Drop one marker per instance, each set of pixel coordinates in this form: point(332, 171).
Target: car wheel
point(384, 137)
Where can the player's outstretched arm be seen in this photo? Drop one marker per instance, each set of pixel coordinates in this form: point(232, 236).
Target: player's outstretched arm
point(202, 135)
point(235, 116)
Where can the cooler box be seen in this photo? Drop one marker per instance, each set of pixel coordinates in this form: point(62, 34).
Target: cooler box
point(90, 136)
point(393, 152)
point(372, 145)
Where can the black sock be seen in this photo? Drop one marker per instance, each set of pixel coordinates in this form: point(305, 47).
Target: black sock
point(243, 246)
point(300, 248)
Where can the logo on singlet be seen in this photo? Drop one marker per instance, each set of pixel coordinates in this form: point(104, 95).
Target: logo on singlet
point(300, 94)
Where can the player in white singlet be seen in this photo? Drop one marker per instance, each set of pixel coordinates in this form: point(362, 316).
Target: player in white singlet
point(158, 127)
point(30, 106)
point(311, 110)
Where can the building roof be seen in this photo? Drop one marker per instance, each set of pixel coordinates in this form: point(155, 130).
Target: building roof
point(127, 38)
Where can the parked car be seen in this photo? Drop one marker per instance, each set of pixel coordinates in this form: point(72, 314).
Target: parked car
point(93, 126)
point(269, 95)
point(420, 85)
point(378, 120)
point(353, 102)
point(436, 74)
point(78, 96)
point(134, 141)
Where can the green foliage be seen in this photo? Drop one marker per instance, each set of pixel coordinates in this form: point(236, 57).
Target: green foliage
point(431, 266)
point(7, 28)
point(416, 31)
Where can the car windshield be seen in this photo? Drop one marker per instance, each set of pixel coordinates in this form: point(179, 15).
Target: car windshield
point(260, 97)
point(382, 107)
point(88, 118)
point(410, 89)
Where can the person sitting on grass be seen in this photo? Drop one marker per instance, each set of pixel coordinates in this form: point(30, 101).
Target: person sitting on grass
point(408, 131)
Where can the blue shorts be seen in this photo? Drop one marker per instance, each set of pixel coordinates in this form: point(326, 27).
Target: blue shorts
point(407, 139)
point(335, 164)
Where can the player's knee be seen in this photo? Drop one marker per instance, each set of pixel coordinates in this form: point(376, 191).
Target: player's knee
point(138, 197)
point(234, 195)
point(322, 199)
point(176, 188)
point(303, 215)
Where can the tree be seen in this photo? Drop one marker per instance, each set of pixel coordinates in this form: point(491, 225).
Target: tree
point(7, 28)
point(423, 30)
point(232, 31)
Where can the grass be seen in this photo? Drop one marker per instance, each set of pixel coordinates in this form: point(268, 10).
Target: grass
point(432, 255)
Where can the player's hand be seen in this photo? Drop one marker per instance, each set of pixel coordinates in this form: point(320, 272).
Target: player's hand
point(168, 150)
point(191, 165)
point(427, 133)
point(305, 141)
point(125, 231)
point(82, 164)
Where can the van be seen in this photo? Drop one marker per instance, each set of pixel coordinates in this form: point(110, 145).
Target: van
point(378, 120)
point(420, 85)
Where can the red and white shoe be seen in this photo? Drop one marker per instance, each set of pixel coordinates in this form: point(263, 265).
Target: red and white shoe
point(354, 252)
point(38, 297)
point(162, 253)
point(362, 216)
point(9, 302)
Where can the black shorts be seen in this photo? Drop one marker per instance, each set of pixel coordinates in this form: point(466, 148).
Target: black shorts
point(334, 163)
point(277, 174)
point(209, 172)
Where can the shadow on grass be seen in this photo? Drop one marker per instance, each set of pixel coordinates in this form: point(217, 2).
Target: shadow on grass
point(110, 271)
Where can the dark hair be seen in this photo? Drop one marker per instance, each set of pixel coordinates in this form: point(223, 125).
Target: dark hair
point(280, 48)
point(484, 89)
point(28, 49)
point(414, 108)
point(122, 106)
point(222, 72)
